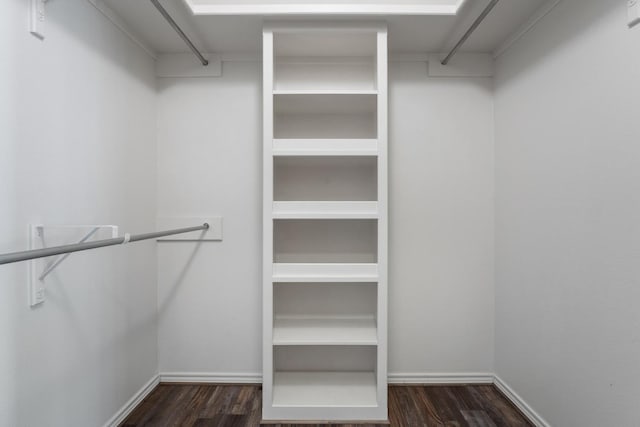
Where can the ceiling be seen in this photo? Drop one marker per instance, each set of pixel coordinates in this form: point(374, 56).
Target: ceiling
point(242, 34)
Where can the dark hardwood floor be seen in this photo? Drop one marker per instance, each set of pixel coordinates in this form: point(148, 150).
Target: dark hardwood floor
point(240, 406)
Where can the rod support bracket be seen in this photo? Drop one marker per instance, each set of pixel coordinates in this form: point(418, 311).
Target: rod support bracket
point(39, 268)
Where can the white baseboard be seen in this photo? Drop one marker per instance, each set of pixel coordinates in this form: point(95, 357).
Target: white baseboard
point(393, 378)
point(256, 378)
point(210, 377)
point(131, 404)
point(527, 410)
point(440, 378)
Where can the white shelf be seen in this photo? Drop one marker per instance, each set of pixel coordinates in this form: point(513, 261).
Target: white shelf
point(310, 330)
point(324, 389)
point(299, 272)
point(326, 92)
point(325, 210)
point(325, 147)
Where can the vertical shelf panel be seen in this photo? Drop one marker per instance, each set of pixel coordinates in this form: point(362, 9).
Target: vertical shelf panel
point(267, 223)
point(381, 368)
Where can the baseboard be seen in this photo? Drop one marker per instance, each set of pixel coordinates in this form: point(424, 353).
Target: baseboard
point(132, 403)
point(394, 379)
point(210, 378)
point(256, 378)
point(527, 410)
point(440, 378)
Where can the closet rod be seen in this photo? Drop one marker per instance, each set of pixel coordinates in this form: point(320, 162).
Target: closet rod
point(58, 250)
point(178, 30)
point(470, 31)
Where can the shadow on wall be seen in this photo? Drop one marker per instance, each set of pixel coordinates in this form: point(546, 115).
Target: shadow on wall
point(80, 28)
point(558, 41)
point(180, 278)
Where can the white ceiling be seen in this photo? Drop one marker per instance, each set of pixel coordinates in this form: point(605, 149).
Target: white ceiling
point(217, 34)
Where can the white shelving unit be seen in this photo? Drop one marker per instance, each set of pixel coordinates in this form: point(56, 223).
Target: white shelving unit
point(325, 222)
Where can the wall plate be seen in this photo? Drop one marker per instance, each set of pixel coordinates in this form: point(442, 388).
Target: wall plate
point(37, 17)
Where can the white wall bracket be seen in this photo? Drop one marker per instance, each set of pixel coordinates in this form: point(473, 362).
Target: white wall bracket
point(37, 18)
point(56, 262)
point(40, 268)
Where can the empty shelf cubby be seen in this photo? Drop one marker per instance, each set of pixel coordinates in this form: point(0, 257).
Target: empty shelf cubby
point(325, 241)
point(352, 178)
point(324, 61)
point(325, 314)
point(325, 116)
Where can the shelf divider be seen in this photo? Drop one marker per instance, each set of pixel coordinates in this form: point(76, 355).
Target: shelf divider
point(325, 92)
point(325, 210)
point(325, 147)
point(299, 272)
point(324, 330)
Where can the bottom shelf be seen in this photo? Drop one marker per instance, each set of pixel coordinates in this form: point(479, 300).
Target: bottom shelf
point(324, 389)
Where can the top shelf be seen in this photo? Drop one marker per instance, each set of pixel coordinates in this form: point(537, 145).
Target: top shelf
point(328, 75)
point(321, 62)
point(324, 44)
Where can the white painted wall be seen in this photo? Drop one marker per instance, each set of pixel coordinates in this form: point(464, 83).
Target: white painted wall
point(77, 146)
point(568, 203)
point(441, 167)
point(210, 163)
point(441, 229)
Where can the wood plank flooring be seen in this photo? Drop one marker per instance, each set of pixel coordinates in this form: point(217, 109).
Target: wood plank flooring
point(203, 405)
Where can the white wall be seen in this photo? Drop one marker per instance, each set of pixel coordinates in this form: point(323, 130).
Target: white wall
point(77, 146)
point(441, 223)
point(568, 203)
point(210, 163)
point(441, 229)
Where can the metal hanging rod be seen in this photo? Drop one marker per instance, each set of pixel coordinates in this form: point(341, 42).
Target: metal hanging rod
point(76, 247)
point(178, 30)
point(470, 31)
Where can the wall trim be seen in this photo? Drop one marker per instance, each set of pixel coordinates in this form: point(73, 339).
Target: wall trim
point(523, 406)
point(543, 11)
point(440, 378)
point(210, 377)
point(393, 378)
point(132, 403)
point(117, 21)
